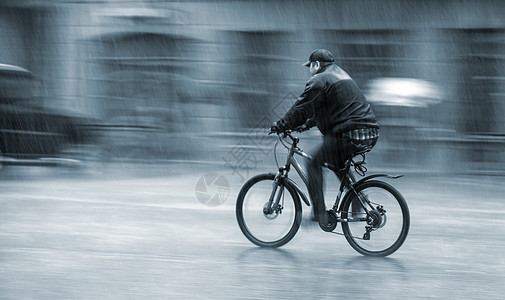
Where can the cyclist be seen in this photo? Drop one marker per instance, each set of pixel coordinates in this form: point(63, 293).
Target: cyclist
point(333, 102)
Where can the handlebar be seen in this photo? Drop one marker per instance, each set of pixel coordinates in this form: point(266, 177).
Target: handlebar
point(292, 147)
point(287, 133)
point(300, 129)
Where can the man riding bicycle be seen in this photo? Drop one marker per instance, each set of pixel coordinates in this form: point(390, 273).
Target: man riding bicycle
point(333, 102)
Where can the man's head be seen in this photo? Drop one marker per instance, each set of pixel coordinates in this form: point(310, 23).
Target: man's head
point(318, 59)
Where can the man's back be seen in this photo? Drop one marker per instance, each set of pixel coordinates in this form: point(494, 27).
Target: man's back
point(340, 106)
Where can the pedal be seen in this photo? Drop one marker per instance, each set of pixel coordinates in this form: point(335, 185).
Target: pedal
point(332, 221)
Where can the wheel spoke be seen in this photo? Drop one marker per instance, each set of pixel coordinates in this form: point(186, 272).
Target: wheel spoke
point(384, 228)
point(268, 227)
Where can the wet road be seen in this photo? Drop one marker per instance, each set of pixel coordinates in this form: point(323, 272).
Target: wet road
point(150, 238)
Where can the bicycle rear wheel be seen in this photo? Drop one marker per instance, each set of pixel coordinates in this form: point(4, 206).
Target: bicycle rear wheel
point(268, 229)
point(384, 229)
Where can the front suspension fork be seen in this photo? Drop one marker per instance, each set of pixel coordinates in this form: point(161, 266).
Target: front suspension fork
point(275, 197)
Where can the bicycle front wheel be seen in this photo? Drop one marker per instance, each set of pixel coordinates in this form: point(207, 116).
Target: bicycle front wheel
point(268, 229)
point(382, 230)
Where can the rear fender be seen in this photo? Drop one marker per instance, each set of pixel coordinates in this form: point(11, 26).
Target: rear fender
point(365, 179)
point(375, 176)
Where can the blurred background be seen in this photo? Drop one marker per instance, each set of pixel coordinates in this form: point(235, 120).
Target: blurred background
point(168, 83)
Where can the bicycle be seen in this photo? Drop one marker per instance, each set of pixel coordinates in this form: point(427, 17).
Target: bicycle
point(374, 215)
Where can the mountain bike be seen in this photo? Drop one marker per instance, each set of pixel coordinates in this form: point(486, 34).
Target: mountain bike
point(374, 216)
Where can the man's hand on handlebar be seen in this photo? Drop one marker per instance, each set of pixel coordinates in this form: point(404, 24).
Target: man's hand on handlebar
point(308, 125)
point(276, 128)
point(301, 128)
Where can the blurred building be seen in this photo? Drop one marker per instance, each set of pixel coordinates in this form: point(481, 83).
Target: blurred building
point(171, 80)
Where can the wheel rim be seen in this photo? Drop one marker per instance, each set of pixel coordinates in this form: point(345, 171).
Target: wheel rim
point(387, 233)
point(267, 228)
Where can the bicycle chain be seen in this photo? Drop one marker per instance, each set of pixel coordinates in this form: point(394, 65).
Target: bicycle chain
point(355, 237)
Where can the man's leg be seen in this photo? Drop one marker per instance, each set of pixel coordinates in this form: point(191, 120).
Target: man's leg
point(315, 187)
point(325, 153)
point(333, 151)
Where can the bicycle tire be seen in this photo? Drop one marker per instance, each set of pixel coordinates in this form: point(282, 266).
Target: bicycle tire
point(258, 210)
point(397, 239)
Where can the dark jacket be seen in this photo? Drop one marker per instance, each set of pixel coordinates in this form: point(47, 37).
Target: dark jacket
point(334, 101)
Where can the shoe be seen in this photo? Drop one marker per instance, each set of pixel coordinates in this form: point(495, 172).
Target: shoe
point(328, 221)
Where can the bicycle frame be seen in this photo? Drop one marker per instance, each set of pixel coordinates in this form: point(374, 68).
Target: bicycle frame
point(282, 174)
point(347, 184)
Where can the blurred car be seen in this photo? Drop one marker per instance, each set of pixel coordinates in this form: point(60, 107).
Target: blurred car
point(407, 102)
point(406, 92)
point(31, 134)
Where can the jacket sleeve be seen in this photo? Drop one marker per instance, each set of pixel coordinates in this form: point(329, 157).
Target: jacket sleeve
point(310, 122)
point(303, 108)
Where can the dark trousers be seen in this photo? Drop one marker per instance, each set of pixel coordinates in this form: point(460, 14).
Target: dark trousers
point(333, 150)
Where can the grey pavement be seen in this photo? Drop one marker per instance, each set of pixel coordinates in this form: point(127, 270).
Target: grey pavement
point(141, 235)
